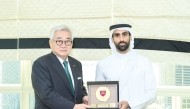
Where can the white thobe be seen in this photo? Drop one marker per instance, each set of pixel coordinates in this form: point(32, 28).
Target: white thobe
point(137, 84)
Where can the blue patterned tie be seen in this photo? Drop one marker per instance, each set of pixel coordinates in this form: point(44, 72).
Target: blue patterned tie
point(65, 63)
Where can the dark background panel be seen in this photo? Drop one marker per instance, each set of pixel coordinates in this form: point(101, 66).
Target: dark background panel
point(98, 43)
point(25, 43)
point(163, 45)
point(8, 43)
point(93, 43)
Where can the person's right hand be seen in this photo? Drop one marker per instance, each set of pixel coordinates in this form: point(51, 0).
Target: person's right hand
point(81, 106)
point(124, 105)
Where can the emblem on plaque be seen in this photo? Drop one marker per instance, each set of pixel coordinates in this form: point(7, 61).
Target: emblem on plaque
point(102, 93)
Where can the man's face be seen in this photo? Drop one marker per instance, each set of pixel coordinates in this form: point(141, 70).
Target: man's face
point(61, 49)
point(121, 40)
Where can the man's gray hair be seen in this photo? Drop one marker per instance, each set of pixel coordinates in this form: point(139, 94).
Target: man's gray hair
point(60, 28)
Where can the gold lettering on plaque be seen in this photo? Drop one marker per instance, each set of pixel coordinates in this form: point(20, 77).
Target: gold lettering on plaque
point(103, 105)
point(102, 93)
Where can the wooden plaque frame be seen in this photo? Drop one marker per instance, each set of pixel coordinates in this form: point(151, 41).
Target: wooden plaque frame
point(111, 101)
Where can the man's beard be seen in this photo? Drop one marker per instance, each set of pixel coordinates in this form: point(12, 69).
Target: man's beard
point(124, 47)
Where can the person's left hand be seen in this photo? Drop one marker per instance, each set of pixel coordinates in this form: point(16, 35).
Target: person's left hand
point(85, 100)
point(124, 105)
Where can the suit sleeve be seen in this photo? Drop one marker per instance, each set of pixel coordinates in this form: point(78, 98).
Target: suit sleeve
point(84, 91)
point(150, 88)
point(44, 89)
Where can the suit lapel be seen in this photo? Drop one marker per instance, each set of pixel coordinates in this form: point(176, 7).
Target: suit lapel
point(73, 69)
point(60, 70)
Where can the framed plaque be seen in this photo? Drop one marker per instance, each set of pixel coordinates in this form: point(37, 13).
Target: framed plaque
point(103, 94)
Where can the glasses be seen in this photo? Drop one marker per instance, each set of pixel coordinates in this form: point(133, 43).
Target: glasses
point(60, 42)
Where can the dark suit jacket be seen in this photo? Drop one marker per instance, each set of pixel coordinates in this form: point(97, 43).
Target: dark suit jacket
point(51, 85)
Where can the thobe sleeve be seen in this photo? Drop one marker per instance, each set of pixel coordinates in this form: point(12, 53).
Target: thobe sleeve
point(99, 73)
point(150, 90)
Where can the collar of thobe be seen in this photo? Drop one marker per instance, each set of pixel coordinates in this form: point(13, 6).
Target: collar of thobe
point(123, 57)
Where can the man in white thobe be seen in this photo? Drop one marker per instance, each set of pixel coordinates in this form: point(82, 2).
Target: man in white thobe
point(137, 83)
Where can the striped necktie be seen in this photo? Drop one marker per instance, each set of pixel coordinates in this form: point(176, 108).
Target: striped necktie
point(65, 63)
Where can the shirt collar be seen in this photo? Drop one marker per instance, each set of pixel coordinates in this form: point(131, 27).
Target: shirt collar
point(61, 60)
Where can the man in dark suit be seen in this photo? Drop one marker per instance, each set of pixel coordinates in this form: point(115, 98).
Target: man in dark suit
point(56, 77)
